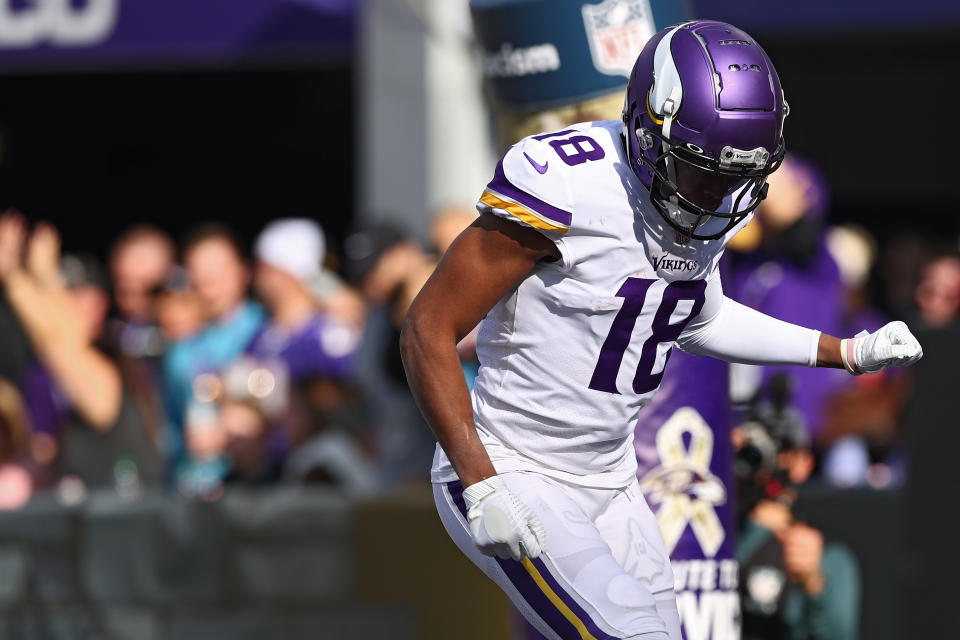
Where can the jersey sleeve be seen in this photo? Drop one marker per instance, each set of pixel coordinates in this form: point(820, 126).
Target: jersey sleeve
point(728, 330)
point(529, 187)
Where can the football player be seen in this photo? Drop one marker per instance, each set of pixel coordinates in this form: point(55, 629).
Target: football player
point(595, 253)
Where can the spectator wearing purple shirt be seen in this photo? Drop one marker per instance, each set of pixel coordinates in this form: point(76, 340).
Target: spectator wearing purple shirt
point(317, 352)
point(788, 273)
point(289, 253)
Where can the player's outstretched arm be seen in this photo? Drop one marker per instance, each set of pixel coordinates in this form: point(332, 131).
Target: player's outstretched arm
point(736, 333)
point(487, 261)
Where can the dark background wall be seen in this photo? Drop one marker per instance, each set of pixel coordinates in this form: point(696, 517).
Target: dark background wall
point(877, 113)
point(94, 152)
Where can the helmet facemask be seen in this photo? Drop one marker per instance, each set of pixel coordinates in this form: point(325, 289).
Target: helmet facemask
point(689, 187)
point(703, 121)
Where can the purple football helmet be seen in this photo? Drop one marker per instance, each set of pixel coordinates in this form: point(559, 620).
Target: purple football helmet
point(703, 120)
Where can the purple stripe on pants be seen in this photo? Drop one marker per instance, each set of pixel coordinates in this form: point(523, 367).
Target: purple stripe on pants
point(531, 592)
point(504, 187)
point(570, 602)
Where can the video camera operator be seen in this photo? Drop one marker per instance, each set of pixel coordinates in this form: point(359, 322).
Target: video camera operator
point(794, 584)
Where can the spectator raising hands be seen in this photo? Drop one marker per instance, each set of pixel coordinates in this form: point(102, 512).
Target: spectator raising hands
point(62, 325)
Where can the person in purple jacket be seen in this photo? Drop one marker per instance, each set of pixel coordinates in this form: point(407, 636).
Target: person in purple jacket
point(787, 272)
point(315, 350)
point(288, 255)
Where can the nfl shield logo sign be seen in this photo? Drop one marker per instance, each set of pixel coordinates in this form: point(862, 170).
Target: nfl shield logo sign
point(617, 31)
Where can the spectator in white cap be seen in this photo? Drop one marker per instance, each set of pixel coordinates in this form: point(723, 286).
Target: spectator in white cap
point(288, 255)
point(316, 349)
point(294, 246)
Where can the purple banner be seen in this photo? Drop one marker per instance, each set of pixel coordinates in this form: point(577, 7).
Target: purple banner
point(682, 441)
point(69, 34)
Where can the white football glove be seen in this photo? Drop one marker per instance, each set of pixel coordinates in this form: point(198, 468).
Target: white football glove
point(501, 525)
point(891, 345)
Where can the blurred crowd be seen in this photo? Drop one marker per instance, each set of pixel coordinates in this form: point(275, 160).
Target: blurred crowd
point(204, 362)
point(790, 262)
point(201, 363)
point(796, 426)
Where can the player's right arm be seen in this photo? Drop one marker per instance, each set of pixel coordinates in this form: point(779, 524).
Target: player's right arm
point(489, 259)
point(730, 331)
point(525, 209)
point(486, 262)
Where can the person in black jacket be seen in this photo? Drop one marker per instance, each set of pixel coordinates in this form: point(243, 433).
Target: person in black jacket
point(794, 583)
point(74, 390)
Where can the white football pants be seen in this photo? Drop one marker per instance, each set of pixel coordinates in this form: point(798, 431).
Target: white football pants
point(605, 573)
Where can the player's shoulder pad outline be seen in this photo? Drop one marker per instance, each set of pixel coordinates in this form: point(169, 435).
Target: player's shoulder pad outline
point(529, 184)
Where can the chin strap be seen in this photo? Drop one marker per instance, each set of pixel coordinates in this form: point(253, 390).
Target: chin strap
point(669, 111)
point(670, 108)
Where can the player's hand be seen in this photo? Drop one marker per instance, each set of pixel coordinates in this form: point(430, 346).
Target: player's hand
point(500, 523)
point(890, 346)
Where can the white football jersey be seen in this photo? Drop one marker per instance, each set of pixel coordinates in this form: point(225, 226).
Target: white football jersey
point(578, 348)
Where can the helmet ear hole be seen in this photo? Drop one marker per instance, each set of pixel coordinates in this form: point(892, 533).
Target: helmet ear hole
point(644, 139)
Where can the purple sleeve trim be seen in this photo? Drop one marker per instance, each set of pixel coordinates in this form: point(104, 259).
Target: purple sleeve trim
point(500, 185)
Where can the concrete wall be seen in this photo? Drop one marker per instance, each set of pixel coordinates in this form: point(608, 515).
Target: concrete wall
point(292, 563)
point(423, 130)
point(285, 564)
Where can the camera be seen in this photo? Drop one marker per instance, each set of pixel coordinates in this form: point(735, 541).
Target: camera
point(772, 426)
